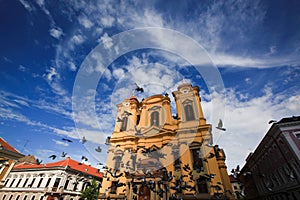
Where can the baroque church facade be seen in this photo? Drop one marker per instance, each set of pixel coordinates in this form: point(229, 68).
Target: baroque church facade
point(154, 155)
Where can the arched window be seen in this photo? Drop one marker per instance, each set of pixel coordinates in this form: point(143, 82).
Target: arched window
point(197, 159)
point(189, 112)
point(202, 185)
point(118, 162)
point(155, 118)
point(144, 192)
point(124, 124)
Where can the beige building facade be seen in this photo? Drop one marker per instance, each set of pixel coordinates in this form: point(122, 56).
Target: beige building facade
point(154, 155)
point(8, 158)
point(61, 180)
point(272, 171)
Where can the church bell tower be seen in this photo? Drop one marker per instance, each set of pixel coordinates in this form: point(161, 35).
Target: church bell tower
point(156, 155)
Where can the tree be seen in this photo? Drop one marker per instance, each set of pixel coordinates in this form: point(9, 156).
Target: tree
point(91, 192)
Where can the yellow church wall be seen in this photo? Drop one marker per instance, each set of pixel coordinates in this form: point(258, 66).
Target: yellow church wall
point(170, 133)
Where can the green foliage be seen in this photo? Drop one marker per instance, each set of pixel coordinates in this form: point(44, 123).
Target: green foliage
point(91, 192)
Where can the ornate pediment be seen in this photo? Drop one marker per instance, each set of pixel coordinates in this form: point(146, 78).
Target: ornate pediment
point(153, 131)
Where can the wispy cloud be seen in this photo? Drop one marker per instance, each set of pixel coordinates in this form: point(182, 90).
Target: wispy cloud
point(85, 22)
point(106, 40)
point(246, 120)
point(27, 5)
point(51, 74)
point(56, 32)
point(227, 60)
point(58, 142)
point(53, 78)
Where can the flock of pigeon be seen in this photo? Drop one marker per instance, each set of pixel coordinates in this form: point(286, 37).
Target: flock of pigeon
point(179, 183)
point(83, 140)
point(83, 158)
point(145, 178)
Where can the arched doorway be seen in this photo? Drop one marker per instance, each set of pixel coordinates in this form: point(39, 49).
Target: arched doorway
point(144, 193)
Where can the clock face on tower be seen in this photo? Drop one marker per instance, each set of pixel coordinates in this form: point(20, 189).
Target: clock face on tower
point(184, 91)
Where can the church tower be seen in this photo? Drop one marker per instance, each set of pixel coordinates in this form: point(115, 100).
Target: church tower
point(154, 155)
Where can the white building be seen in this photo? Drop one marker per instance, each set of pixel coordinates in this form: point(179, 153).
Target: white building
point(65, 179)
point(8, 158)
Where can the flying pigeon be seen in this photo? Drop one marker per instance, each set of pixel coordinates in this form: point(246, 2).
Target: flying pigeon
point(63, 154)
point(98, 149)
point(83, 140)
point(220, 126)
point(52, 156)
point(84, 158)
point(176, 116)
point(107, 141)
point(139, 89)
point(38, 161)
point(67, 140)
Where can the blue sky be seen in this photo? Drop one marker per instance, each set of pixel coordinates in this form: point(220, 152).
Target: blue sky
point(254, 45)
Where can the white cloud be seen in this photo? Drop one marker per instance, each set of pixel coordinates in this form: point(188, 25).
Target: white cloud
point(56, 32)
point(236, 61)
point(248, 80)
point(40, 2)
point(246, 121)
point(52, 73)
point(227, 60)
point(152, 18)
point(273, 50)
point(78, 39)
point(26, 5)
point(72, 66)
point(22, 68)
point(118, 73)
point(85, 22)
point(107, 21)
point(106, 40)
point(58, 142)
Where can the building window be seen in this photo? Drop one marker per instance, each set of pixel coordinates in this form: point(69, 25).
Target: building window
point(18, 197)
point(56, 184)
point(32, 198)
point(235, 187)
point(5, 184)
point(31, 184)
point(40, 182)
point(66, 184)
point(75, 186)
point(11, 196)
point(189, 112)
point(298, 135)
point(155, 118)
point(124, 124)
point(48, 182)
point(138, 118)
point(12, 183)
point(41, 197)
point(118, 162)
point(113, 188)
point(25, 183)
point(202, 185)
point(144, 192)
point(177, 164)
point(18, 182)
point(25, 197)
point(4, 197)
point(197, 159)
